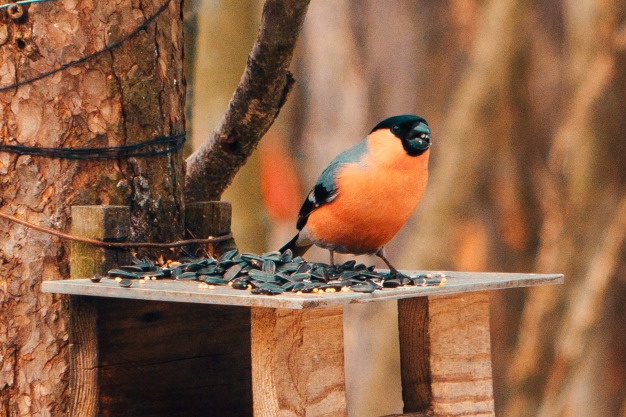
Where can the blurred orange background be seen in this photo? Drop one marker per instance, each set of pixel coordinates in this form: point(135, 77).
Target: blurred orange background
point(528, 170)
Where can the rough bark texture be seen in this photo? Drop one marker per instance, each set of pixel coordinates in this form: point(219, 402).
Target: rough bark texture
point(129, 95)
point(259, 97)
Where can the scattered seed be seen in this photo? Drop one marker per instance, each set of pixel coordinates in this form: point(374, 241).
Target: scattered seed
point(269, 267)
point(126, 283)
point(232, 272)
point(271, 273)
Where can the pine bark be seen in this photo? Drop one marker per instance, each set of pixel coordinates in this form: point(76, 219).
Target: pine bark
point(131, 94)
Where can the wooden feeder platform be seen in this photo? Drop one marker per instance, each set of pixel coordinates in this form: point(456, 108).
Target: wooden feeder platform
point(169, 348)
point(189, 292)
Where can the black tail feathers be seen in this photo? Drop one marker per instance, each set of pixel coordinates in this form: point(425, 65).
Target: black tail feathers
point(295, 249)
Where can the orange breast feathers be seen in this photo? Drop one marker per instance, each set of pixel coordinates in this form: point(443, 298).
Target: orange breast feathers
point(375, 197)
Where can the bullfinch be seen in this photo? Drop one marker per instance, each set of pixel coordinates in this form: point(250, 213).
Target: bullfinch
point(367, 193)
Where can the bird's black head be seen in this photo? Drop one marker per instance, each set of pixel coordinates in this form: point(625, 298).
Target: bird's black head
point(412, 130)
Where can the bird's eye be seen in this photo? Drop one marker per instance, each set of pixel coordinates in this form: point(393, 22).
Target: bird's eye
point(396, 129)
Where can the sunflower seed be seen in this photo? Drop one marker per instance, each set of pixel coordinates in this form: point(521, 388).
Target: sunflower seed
point(187, 276)
point(232, 272)
point(212, 280)
point(391, 283)
point(123, 274)
point(227, 256)
point(286, 256)
point(269, 267)
point(268, 289)
point(126, 283)
point(363, 287)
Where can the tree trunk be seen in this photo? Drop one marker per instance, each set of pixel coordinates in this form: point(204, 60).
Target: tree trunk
point(128, 95)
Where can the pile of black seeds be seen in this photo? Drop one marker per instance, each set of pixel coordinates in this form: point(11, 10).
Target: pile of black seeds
point(270, 273)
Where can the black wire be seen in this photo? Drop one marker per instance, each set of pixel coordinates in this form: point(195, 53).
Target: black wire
point(88, 57)
point(173, 142)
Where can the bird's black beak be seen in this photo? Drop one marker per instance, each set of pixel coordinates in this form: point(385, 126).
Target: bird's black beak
point(418, 139)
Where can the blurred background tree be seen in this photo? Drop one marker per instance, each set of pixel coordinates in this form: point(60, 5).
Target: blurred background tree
point(528, 173)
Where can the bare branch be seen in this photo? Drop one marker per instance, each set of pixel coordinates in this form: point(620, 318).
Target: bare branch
point(261, 93)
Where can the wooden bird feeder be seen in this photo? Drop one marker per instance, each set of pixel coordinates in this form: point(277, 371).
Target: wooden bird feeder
point(169, 348)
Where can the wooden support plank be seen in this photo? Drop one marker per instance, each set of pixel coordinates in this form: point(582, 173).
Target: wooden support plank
point(83, 357)
point(298, 363)
point(445, 351)
point(460, 355)
point(140, 358)
point(188, 292)
point(413, 329)
point(96, 222)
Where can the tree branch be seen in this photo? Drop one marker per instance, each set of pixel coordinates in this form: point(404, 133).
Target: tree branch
point(261, 93)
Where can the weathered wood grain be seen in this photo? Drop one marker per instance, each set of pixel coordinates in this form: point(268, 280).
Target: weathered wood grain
point(188, 292)
point(413, 329)
point(298, 363)
point(96, 222)
point(460, 355)
point(103, 223)
point(83, 348)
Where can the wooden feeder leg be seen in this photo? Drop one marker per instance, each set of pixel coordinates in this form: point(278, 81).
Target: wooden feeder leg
point(414, 354)
point(446, 368)
point(84, 390)
point(297, 362)
point(96, 222)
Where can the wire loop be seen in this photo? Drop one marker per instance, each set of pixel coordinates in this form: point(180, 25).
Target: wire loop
point(172, 143)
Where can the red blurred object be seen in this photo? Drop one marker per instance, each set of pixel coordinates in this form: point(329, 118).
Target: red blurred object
point(280, 186)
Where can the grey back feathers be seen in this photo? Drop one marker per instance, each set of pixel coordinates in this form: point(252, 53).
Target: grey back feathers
point(325, 189)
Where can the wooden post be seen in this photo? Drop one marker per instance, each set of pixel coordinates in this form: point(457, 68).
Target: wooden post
point(297, 362)
point(83, 338)
point(446, 363)
point(96, 222)
point(209, 218)
point(415, 354)
point(143, 358)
